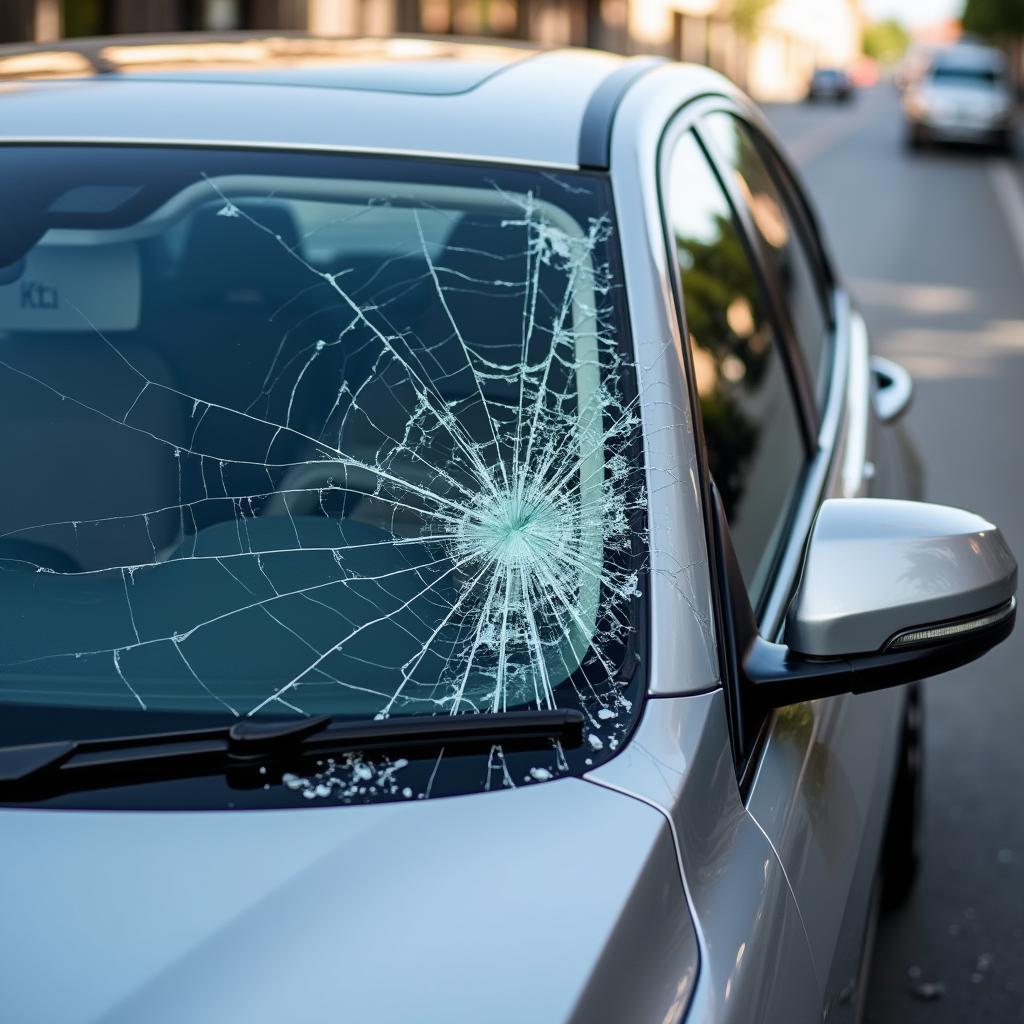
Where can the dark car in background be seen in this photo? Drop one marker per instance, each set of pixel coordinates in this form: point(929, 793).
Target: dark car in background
point(830, 84)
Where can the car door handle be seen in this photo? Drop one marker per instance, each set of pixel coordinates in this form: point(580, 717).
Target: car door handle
point(892, 389)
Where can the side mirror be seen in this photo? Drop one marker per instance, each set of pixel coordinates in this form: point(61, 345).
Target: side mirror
point(891, 591)
point(893, 389)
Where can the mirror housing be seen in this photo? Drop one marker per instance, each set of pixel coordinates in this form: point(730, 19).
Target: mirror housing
point(891, 591)
point(893, 389)
point(876, 571)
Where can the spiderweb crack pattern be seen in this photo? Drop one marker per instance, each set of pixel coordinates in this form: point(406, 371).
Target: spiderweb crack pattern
point(458, 524)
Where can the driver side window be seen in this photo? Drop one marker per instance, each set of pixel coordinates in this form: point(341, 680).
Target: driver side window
point(755, 447)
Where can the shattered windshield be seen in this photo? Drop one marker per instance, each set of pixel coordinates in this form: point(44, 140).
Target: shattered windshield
point(303, 434)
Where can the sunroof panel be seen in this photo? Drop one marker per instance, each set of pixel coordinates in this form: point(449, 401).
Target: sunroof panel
point(404, 65)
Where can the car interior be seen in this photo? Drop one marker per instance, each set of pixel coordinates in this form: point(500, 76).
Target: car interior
point(258, 405)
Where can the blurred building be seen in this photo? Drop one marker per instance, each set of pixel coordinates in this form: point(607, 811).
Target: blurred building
point(769, 47)
point(939, 33)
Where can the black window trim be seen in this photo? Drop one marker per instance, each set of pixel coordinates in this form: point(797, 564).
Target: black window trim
point(793, 363)
point(806, 223)
point(681, 122)
point(675, 130)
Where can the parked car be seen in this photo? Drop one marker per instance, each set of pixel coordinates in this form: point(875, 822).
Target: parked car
point(965, 95)
point(456, 564)
point(830, 84)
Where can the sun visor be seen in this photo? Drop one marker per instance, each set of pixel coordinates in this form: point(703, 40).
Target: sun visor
point(74, 288)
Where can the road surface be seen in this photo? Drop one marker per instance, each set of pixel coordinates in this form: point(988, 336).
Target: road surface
point(932, 245)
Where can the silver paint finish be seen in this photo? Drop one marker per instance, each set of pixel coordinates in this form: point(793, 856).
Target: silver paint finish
point(524, 905)
point(878, 567)
point(795, 830)
point(683, 652)
point(821, 795)
point(756, 963)
point(496, 120)
point(819, 799)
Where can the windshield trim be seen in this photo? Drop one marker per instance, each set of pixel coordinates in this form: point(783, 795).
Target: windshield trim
point(257, 145)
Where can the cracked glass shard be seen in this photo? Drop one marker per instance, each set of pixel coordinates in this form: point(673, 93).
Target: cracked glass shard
point(298, 434)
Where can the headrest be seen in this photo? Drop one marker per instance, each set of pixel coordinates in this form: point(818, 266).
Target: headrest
point(484, 292)
point(229, 260)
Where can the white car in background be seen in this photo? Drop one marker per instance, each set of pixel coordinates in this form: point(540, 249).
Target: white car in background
point(965, 95)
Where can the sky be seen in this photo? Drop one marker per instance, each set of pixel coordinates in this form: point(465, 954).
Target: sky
point(913, 13)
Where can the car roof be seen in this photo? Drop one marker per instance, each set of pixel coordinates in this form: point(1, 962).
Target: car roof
point(969, 55)
point(408, 94)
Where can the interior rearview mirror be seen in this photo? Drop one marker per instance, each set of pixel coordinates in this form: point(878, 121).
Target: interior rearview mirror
point(890, 592)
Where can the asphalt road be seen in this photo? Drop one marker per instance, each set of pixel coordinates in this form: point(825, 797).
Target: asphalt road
point(932, 246)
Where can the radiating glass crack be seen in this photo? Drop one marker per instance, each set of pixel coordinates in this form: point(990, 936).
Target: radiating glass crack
point(355, 474)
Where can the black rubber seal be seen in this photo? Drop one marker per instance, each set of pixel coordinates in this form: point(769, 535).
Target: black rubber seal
point(596, 130)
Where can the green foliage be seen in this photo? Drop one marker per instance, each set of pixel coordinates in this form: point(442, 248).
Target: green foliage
point(715, 274)
point(886, 41)
point(994, 19)
point(84, 18)
point(746, 16)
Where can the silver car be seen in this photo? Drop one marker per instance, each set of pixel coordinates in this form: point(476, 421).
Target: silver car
point(456, 556)
point(964, 94)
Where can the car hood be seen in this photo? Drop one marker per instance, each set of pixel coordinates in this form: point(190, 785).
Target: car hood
point(520, 905)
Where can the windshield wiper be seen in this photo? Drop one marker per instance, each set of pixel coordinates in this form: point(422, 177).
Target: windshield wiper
point(43, 769)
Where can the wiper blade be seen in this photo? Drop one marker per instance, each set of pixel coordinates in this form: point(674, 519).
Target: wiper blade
point(67, 765)
point(20, 763)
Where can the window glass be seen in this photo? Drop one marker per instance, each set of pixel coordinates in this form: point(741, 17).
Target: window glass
point(301, 434)
point(777, 235)
point(751, 427)
point(965, 75)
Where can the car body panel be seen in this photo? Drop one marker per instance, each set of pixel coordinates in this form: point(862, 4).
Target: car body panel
point(819, 805)
point(463, 124)
point(684, 656)
point(818, 802)
point(756, 963)
point(819, 798)
point(509, 906)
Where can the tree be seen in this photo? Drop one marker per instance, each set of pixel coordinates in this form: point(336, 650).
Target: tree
point(997, 20)
point(886, 41)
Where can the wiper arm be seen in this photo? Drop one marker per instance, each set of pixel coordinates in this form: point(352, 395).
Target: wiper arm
point(26, 772)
